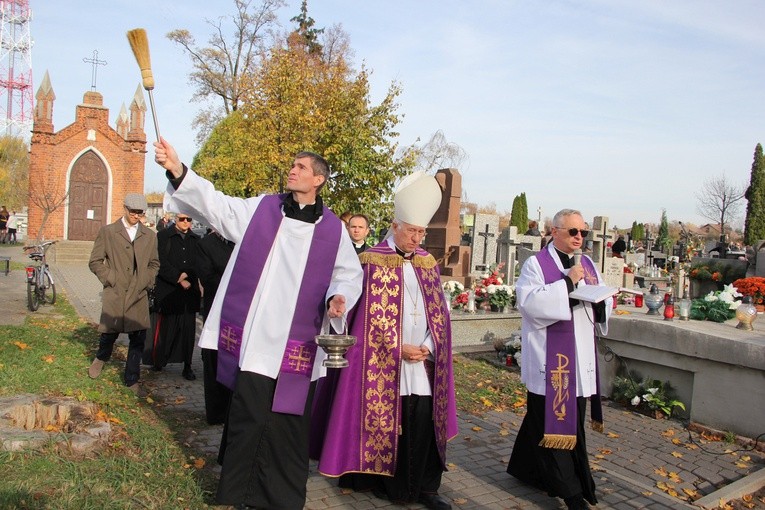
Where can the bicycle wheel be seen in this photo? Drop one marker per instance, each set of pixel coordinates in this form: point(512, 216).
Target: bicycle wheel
point(49, 288)
point(33, 298)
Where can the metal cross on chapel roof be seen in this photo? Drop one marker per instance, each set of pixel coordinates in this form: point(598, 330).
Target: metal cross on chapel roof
point(95, 62)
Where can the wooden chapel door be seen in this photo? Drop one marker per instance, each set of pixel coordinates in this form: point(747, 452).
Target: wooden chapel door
point(88, 194)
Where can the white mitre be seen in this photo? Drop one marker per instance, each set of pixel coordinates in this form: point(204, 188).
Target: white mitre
point(417, 199)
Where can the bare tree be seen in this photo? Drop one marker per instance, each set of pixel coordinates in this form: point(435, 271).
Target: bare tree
point(438, 153)
point(719, 200)
point(223, 68)
point(47, 197)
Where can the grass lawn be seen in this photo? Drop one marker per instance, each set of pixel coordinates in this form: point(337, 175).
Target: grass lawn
point(141, 466)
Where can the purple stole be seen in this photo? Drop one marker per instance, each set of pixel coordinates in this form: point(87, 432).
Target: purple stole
point(294, 377)
point(380, 310)
point(560, 365)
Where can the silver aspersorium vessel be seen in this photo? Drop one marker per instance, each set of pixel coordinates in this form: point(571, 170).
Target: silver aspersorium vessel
point(335, 346)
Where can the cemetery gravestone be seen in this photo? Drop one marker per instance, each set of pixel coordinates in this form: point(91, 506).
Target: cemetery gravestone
point(613, 272)
point(484, 247)
point(444, 239)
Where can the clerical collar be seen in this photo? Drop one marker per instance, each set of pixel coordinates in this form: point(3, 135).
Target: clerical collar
point(308, 213)
point(359, 245)
point(565, 259)
point(407, 256)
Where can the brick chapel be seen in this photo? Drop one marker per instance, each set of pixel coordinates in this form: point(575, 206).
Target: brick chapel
point(80, 175)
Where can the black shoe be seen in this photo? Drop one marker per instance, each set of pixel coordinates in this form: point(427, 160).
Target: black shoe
point(434, 502)
point(156, 368)
point(188, 374)
point(576, 503)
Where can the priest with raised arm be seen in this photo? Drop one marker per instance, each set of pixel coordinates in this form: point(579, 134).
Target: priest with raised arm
point(292, 270)
point(559, 365)
point(382, 423)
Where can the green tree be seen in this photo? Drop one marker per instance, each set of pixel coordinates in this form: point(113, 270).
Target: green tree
point(638, 231)
point(754, 227)
point(519, 214)
point(14, 172)
point(663, 240)
point(307, 31)
point(302, 100)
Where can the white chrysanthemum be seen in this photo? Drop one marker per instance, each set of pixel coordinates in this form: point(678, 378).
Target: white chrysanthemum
point(653, 390)
point(635, 400)
point(491, 289)
point(710, 297)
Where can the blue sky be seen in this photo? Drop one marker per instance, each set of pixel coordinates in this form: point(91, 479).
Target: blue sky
point(615, 107)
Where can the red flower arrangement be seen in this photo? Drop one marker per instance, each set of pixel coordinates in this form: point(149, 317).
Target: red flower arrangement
point(493, 278)
point(753, 286)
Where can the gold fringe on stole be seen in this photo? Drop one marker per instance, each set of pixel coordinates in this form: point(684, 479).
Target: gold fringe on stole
point(558, 441)
point(394, 260)
point(378, 259)
point(597, 426)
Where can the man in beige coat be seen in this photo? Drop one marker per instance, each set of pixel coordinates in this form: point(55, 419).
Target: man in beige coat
point(124, 258)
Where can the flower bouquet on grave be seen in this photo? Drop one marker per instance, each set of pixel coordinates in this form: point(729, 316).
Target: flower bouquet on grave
point(753, 286)
point(648, 396)
point(455, 293)
point(717, 306)
point(493, 277)
point(499, 296)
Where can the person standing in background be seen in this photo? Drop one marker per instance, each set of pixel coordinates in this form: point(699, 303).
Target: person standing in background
point(178, 297)
point(124, 259)
point(213, 252)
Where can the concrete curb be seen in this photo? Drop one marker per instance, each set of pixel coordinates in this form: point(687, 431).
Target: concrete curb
point(747, 485)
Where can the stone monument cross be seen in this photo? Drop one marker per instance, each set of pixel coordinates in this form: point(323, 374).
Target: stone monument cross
point(486, 235)
point(95, 62)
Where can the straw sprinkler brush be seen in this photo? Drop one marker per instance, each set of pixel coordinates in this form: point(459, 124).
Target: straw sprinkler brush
point(139, 43)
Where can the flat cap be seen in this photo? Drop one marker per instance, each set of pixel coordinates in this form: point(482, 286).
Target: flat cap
point(136, 201)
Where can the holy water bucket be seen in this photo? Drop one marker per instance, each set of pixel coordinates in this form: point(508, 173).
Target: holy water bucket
point(335, 346)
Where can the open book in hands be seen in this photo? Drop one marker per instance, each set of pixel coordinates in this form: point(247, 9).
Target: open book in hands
point(597, 293)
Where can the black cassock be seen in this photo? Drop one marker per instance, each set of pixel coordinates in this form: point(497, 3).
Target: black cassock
point(561, 473)
point(174, 326)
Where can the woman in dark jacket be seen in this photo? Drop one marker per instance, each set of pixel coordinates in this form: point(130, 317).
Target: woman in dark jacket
point(177, 297)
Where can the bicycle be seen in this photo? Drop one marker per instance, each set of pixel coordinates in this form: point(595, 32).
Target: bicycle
point(40, 285)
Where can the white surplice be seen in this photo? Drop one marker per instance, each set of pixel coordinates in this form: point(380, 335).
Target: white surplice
point(414, 331)
point(270, 313)
point(541, 306)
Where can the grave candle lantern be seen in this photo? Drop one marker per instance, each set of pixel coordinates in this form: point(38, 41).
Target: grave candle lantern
point(746, 313)
point(684, 308)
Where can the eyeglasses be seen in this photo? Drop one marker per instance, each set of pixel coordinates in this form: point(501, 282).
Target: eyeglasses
point(135, 212)
point(182, 219)
point(573, 231)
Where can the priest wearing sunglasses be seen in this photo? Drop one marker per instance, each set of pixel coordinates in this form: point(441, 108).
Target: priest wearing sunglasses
point(559, 365)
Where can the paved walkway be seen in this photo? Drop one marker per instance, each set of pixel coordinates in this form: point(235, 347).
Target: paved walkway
point(637, 464)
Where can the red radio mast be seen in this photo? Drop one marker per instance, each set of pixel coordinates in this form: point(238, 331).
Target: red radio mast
point(15, 69)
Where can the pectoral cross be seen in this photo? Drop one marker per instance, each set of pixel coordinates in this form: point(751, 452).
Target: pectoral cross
point(414, 315)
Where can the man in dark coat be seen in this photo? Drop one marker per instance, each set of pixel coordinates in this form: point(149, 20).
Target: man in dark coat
point(124, 258)
point(178, 297)
point(212, 256)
